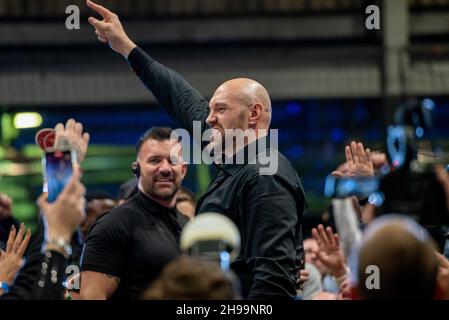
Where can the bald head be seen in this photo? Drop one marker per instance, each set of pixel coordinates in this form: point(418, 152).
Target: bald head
point(406, 260)
point(248, 92)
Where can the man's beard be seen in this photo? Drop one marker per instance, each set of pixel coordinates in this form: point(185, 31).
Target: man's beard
point(163, 195)
point(157, 193)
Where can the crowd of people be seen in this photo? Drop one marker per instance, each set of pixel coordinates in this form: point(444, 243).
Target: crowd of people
point(129, 247)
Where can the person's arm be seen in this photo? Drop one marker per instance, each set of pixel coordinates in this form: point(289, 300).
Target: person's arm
point(346, 223)
point(104, 256)
point(62, 218)
point(182, 102)
point(272, 238)
point(97, 286)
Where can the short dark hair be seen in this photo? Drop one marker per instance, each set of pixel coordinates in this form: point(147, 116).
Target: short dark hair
point(127, 190)
point(155, 133)
point(185, 194)
point(98, 194)
point(187, 278)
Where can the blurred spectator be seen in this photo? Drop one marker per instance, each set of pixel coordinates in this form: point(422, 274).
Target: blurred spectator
point(311, 255)
point(189, 279)
point(6, 219)
point(186, 202)
point(98, 203)
point(405, 256)
point(127, 191)
point(313, 285)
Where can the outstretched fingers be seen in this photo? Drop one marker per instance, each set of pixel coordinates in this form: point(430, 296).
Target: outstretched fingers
point(105, 13)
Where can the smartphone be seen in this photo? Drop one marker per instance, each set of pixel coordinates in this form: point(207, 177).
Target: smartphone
point(344, 187)
point(58, 169)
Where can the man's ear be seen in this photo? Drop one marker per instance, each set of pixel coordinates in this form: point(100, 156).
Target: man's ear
point(255, 112)
point(184, 169)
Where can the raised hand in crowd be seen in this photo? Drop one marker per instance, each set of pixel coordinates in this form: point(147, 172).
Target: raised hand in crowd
point(63, 218)
point(72, 133)
point(110, 30)
point(11, 258)
point(359, 162)
point(330, 253)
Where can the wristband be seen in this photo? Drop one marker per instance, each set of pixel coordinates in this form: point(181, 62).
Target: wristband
point(4, 286)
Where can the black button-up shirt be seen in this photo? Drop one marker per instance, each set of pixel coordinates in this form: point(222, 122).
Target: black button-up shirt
point(267, 209)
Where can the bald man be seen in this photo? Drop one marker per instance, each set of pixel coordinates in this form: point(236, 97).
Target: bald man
point(267, 208)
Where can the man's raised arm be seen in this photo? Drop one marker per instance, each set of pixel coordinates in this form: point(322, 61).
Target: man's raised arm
point(182, 102)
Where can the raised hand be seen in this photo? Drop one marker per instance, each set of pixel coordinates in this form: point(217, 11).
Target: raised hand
point(359, 162)
point(11, 259)
point(72, 134)
point(110, 30)
point(330, 253)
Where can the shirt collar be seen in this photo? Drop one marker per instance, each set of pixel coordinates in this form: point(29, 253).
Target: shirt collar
point(151, 205)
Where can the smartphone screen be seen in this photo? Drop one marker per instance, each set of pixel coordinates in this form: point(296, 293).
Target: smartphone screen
point(58, 170)
point(344, 187)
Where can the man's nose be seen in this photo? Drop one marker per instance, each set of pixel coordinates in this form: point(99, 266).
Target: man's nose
point(165, 167)
point(211, 119)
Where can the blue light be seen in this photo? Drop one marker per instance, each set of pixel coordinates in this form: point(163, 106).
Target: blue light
point(225, 260)
point(428, 104)
point(385, 169)
point(419, 132)
point(329, 186)
point(396, 145)
point(337, 135)
point(294, 108)
point(348, 187)
point(376, 198)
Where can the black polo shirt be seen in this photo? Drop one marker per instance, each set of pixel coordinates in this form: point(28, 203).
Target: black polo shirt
point(133, 242)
